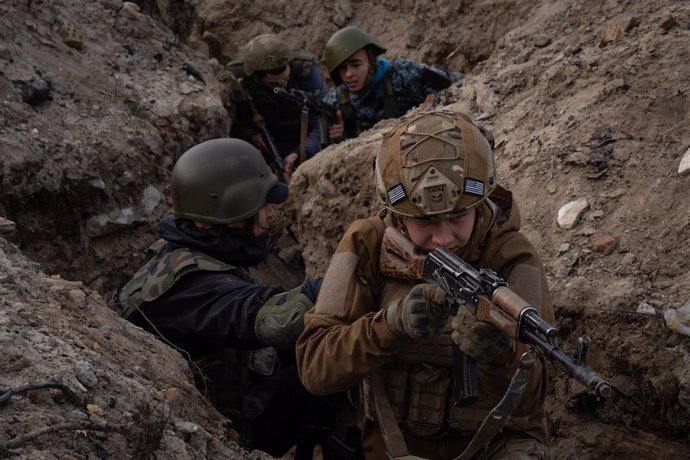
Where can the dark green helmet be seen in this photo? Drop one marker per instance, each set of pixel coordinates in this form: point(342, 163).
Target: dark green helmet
point(223, 181)
point(344, 43)
point(265, 52)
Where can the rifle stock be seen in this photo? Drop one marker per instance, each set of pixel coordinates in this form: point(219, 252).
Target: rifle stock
point(272, 155)
point(488, 297)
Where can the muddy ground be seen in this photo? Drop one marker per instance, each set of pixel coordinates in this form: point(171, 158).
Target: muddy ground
point(587, 100)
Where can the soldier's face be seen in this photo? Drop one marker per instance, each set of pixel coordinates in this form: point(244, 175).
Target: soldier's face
point(452, 234)
point(266, 215)
point(354, 72)
point(272, 80)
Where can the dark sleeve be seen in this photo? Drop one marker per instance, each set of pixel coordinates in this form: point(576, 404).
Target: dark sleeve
point(243, 124)
point(206, 311)
point(311, 288)
point(419, 80)
point(315, 85)
point(313, 141)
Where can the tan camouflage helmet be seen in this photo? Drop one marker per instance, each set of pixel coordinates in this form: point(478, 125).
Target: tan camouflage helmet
point(344, 43)
point(265, 52)
point(433, 165)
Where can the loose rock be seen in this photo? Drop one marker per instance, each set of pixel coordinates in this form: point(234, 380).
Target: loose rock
point(610, 33)
point(678, 319)
point(605, 244)
point(570, 213)
point(645, 308)
point(7, 227)
point(130, 10)
point(69, 35)
point(684, 167)
point(85, 374)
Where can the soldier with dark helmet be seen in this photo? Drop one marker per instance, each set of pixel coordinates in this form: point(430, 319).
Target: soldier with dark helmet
point(270, 63)
point(194, 292)
point(390, 342)
point(369, 88)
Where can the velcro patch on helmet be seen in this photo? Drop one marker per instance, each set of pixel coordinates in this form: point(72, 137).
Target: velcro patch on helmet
point(474, 187)
point(396, 194)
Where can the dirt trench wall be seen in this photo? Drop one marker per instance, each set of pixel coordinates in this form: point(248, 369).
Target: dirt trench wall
point(97, 106)
point(123, 393)
point(453, 34)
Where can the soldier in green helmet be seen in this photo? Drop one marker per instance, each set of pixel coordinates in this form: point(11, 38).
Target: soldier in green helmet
point(195, 293)
point(270, 63)
point(390, 340)
point(369, 88)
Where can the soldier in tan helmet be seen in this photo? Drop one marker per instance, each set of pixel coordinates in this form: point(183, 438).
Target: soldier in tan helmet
point(435, 178)
point(270, 63)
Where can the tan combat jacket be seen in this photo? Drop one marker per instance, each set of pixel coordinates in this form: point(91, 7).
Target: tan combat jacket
point(346, 337)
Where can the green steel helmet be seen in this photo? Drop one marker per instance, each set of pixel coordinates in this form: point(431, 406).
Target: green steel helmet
point(433, 165)
point(223, 181)
point(344, 43)
point(265, 52)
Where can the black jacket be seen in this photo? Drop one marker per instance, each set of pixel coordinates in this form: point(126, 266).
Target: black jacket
point(203, 311)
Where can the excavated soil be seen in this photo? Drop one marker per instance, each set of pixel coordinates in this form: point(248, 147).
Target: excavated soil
point(586, 100)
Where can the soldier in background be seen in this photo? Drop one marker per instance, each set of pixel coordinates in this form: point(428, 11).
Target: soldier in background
point(369, 88)
point(390, 341)
point(269, 63)
point(194, 292)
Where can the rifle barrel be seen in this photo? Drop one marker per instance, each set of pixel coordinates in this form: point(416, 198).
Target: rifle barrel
point(444, 268)
point(582, 374)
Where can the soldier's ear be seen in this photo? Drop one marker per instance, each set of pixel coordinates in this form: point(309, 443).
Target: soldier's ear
point(202, 225)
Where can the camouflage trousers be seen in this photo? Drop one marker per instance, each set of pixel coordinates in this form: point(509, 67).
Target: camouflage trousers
point(517, 449)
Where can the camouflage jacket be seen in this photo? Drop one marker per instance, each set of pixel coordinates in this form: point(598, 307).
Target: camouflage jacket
point(410, 83)
point(210, 302)
point(194, 293)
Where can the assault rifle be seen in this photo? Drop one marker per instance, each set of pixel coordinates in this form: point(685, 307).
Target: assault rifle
point(275, 157)
point(310, 102)
point(272, 155)
point(488, 297)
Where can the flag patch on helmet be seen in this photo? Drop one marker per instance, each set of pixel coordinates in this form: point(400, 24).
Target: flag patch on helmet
point(474, 187)
point(396, 194)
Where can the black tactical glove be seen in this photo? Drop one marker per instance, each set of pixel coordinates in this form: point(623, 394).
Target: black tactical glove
point(422, 312)
point(477, 339)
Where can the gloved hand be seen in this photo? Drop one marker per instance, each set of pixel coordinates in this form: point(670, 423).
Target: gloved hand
point(280, 320)
point(420, 313)
point(478, 339)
